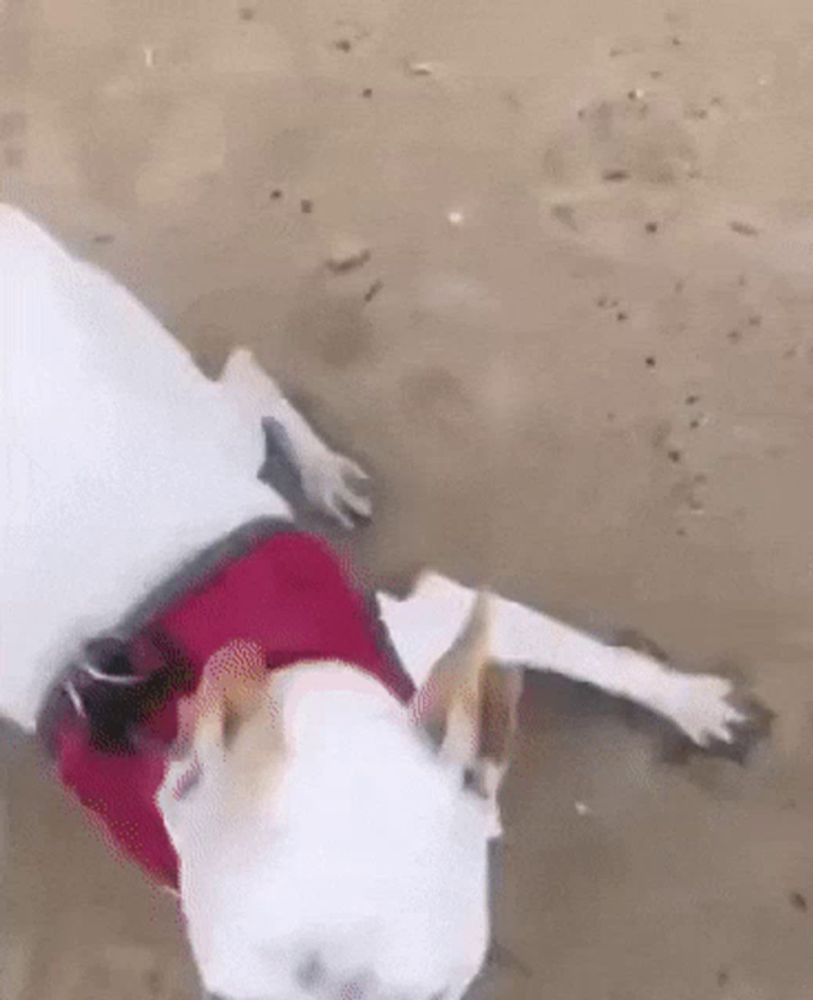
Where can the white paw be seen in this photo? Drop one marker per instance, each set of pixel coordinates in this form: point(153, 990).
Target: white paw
point(331, 484)
point(700, 705)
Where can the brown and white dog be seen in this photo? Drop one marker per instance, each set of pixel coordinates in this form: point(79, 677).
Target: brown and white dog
point(331, 837)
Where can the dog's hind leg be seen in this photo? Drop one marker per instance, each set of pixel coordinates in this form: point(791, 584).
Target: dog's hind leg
point(424, 625)
point(329, 479)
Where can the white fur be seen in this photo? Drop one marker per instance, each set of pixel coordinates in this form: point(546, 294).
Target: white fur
point(119, 460)
point(362, 850)
point(425, 624)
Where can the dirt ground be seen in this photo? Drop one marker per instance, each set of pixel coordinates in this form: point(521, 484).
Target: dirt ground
point(578, 361)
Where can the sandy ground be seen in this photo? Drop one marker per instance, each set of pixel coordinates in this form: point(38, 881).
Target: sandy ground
point(578, 362)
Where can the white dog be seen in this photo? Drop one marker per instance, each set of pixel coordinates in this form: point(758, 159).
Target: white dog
point(331, 834)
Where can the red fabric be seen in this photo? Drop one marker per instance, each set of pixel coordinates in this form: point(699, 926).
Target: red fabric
point(291, 595)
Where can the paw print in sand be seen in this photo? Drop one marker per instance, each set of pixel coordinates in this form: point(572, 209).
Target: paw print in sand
point(616, 165)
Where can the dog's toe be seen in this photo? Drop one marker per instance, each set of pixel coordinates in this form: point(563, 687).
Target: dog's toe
point(331, 487)
point(715, 716)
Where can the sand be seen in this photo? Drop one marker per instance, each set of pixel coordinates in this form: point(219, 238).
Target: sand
point(543, 267)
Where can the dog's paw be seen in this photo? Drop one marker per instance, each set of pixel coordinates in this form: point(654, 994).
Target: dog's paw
point(332, 485)
point(702, 707)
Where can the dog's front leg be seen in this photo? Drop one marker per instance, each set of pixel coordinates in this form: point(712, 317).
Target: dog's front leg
point(424, 624)
point(329, 479)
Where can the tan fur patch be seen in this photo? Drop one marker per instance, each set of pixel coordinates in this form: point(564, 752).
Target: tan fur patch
point(468, 705)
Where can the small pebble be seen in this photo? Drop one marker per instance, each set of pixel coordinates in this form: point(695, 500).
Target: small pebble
point(276, 194)
point(420, 69)
point(621, 317)
point(582, 808)
point(343, 45)
point(247, 13)
point(367, 92)
point(615, 176)
point(675, 455)
point(455, 218)
point(650, 361)
point(373, 290)
point(348, 258)
point(692, 399)
point(652, 227)
point(798, 901)
point(743, 228)
point(306, 206)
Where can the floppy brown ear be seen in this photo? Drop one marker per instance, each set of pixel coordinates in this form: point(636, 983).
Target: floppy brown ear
point(228, 694)
point(468, 705)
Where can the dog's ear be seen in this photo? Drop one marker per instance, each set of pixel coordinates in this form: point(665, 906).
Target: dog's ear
point(230, 691)
point(468, 705)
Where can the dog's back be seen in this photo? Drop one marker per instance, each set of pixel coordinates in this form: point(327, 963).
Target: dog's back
point(119, 459)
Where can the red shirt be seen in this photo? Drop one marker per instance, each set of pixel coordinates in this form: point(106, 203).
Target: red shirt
point(293, 596)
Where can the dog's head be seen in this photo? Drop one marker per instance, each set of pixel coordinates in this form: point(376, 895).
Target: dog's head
point(333, 842)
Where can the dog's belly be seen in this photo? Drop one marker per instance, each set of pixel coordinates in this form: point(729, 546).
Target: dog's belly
point(119, 459)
